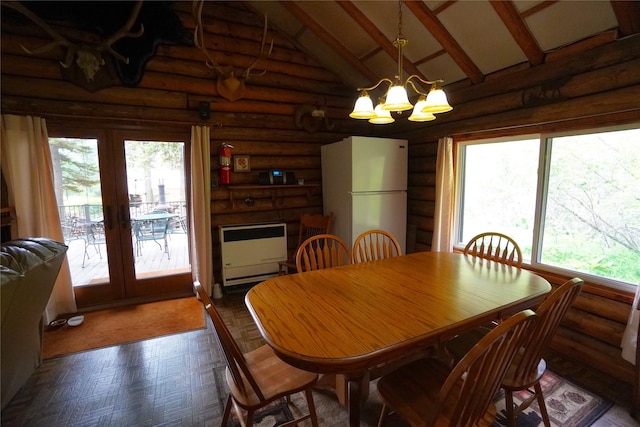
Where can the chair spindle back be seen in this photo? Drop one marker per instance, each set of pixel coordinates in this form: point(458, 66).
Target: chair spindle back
point(375, 244)
point(495, 247)
point(473, 382)
point(322, 251)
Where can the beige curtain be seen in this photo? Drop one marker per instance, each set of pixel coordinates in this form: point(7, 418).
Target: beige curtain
point(630, 337)
point(200, 224)
point(445, 196)
point(27, 168)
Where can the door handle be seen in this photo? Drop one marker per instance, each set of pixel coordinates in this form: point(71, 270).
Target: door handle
point(108, 219)
point(124, 218)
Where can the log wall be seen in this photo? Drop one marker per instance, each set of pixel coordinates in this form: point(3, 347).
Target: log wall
point(176, 80)
point(599, 87)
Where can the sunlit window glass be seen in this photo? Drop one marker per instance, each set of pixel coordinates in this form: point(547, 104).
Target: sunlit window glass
point(499, 190)
point(592, 220)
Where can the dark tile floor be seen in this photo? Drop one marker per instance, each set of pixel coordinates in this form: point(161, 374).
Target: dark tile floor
point(174, 380)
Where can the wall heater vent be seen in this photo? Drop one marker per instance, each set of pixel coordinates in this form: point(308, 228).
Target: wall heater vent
point(250, 253)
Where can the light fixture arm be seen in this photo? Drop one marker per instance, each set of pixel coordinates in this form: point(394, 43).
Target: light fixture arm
point(427, 82)
point(360, 89)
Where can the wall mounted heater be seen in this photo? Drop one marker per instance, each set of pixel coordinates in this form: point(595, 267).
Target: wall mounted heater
point(250, 253)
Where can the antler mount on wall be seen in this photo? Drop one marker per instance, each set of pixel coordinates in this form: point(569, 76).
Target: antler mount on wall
point(230, 83)
point(85, 64)
point(105, 40)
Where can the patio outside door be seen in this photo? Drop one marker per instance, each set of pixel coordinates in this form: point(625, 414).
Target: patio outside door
point(123, 209)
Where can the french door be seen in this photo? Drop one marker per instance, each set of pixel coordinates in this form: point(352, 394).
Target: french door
point(123, 210)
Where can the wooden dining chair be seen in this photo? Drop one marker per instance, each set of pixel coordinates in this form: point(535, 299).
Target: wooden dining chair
point(322, 251)
point(495, 247)
point(528, 366)
point(428, 392)
point(375, 244)
point(259, 377)
point(310, 225)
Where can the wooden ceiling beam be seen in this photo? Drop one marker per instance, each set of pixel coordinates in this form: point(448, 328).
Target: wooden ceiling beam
point(373, 31)
point(628, 16)
point(518, 29)
point(440, 33)
point(329, 39)
point(537, 8)
point(582, 46)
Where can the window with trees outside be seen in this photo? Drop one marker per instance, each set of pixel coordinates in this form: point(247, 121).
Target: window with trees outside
point(572, 202)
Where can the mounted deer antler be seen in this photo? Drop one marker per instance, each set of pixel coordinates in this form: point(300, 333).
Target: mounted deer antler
point(229, 85)
point(88, 58)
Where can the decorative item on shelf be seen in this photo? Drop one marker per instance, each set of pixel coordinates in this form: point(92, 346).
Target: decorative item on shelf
point(241, 164)
point(396, 99)
point(277, 177)
point(230, 86)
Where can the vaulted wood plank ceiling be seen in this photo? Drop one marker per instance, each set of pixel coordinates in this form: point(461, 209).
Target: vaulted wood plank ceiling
point(463, 42)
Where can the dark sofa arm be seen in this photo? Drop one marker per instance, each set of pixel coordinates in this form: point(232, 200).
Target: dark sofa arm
point(28, 271)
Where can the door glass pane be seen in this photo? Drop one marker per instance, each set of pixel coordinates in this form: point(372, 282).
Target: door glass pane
point(592, 220)
point(499, 191)
point(79, 196)
point(158, 207)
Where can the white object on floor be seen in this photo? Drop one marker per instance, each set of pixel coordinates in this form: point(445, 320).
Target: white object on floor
point(75, 321)
point(217, 291)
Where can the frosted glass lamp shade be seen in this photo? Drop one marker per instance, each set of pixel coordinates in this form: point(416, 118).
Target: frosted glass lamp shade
point(382, 117)
point(397, 99)
point(363, 108)
point(417, 115)
point(437, 102)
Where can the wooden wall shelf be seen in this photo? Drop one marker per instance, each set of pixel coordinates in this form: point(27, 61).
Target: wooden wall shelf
point(273, 188)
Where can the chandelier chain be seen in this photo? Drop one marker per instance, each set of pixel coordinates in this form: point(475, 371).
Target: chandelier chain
point(400, 19)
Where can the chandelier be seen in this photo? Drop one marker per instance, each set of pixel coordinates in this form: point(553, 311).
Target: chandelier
point(396, 98)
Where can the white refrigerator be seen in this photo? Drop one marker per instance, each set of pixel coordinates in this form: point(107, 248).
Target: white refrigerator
point(364, 184)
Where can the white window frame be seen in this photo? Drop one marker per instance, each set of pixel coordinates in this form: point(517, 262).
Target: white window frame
point(541, 198)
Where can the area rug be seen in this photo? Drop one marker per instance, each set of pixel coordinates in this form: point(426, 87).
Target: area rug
point(274, 414)
point(567, 404)
point(124, 324)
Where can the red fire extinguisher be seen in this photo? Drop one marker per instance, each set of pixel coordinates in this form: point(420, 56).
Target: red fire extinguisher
point(224, 162)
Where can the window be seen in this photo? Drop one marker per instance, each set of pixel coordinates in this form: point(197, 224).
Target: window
point(572, 202)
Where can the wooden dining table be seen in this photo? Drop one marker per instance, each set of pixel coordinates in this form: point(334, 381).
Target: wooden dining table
point(347, 320)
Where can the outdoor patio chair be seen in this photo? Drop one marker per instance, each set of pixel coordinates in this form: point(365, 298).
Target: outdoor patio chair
point(152, 230)
point(93, 235)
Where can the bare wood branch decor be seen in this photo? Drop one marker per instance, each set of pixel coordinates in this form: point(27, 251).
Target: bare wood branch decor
point(86, 65)
point(312, 118)
point(230, 86)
